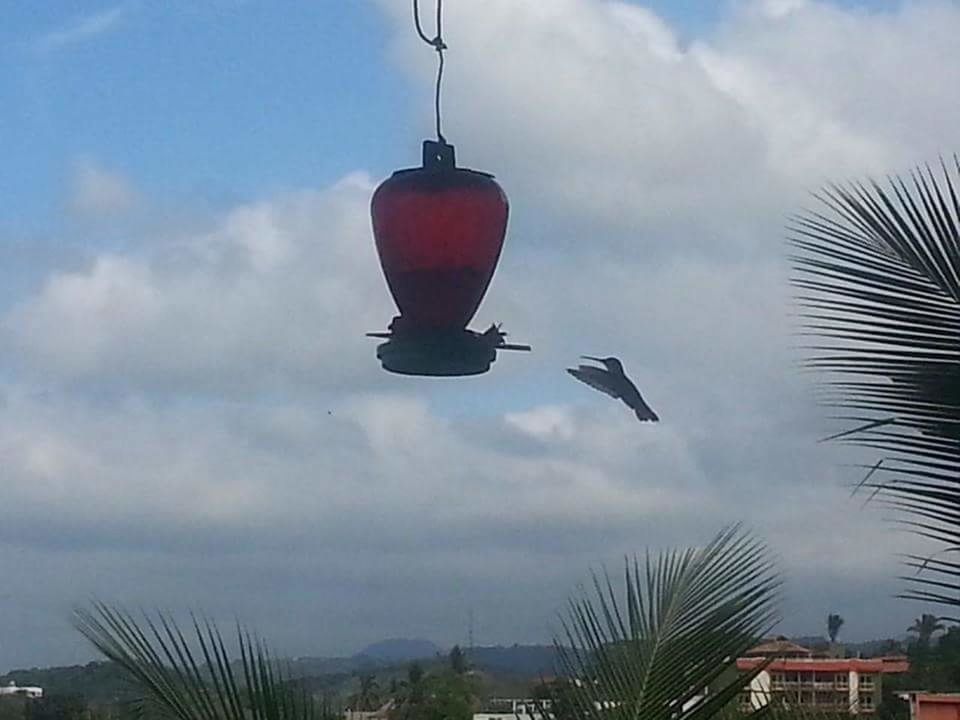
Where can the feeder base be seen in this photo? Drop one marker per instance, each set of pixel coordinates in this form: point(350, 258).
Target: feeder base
point(441, 353)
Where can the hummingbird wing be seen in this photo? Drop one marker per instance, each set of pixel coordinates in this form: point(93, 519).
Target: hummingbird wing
point(596, 378)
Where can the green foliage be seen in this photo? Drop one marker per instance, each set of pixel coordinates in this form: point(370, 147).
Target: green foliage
point(367, 696)
point(562, 695)
point(834, 623)
point(458, 661)
point(685, 618)
point(892, 707)
point(878, 278)
point(924, 627)
point(793, 713)
point(57, 707)
point(935, 667)
point(415, 675)
point(97, 682)
point(193, 682)
point(49, 707)
point(442, 696)
point(327, 709)
point(12, 707)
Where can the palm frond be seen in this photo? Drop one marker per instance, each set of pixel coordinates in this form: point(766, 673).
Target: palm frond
point(668, 647)
point(778, 710)
point(198, 681)
point(877, 278)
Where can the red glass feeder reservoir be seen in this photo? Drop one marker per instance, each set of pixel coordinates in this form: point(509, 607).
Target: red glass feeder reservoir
point(439, 230)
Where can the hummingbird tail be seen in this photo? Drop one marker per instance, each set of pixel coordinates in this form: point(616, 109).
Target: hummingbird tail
point(645, 414)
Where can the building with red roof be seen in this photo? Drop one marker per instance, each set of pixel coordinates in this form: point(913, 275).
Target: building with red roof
point(933, 706)
point(827, 683)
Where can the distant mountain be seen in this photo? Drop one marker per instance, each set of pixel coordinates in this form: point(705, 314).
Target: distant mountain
point(97, 682)
point(320, 666)
point(875, 648)
point(868, 648)
point(811, 642)
point(397, 650)
point(529, 661)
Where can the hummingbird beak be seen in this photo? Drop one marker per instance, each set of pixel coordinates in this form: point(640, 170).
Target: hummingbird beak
point(590, 357)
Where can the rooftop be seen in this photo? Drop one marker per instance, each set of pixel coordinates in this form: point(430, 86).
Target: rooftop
point(885, 665)
point(779, 648)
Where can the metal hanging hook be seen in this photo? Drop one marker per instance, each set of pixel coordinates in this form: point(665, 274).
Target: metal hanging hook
point(437, 43)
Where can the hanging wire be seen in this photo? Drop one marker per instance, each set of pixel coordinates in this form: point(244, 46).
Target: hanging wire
point(437, 43)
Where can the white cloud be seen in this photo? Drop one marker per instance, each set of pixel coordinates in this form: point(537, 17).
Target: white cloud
point(544, 422)
point(97, 193)
point(82, 29)
point(592, 109)
point(277, 292)
point(211, 407)
point(781, 8)
point(383, 491)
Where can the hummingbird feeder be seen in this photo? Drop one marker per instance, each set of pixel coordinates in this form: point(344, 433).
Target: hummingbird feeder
point(439, 230)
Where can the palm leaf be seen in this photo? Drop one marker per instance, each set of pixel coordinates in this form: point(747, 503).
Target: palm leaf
point(877, 278)
point(682, 622)
point(197, 682)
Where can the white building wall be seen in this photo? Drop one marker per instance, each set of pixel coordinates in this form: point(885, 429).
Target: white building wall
point(854, 692)
point(760, 690)
point(26, 691)
point(521, 709)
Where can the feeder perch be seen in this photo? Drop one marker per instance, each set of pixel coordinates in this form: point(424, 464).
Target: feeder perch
point(439, 230)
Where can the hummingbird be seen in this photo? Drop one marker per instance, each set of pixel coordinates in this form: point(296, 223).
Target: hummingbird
point(614, 382)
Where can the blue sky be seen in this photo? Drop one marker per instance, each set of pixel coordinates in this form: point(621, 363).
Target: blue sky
point(187, 271)
point(228, 99)
point(209, 104)
point(234, 98)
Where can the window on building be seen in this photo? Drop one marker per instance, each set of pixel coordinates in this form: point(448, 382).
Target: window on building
point(826, 699)
point(777, 680)
point(841, 680)
point(841, 701)
point(866, 702)
point(866, 682)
